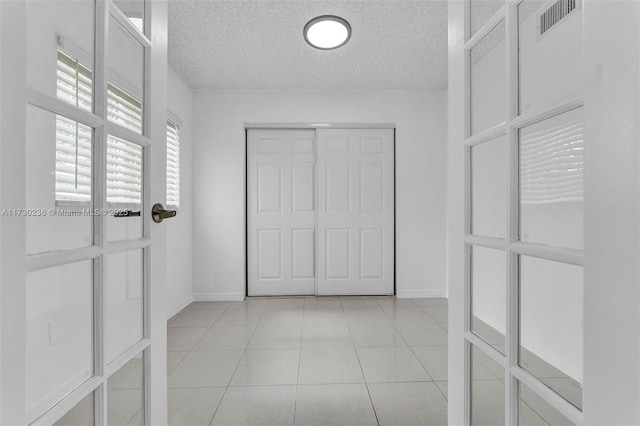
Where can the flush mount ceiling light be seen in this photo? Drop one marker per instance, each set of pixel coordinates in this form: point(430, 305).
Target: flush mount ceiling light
point(327, 32)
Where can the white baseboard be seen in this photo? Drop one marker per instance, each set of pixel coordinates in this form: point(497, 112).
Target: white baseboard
point(223, 297)
point(420, 294)
point(218, 297)
point(179, 306)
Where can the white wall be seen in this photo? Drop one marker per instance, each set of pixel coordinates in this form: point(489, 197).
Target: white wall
point(219, 176)
point(179, 228)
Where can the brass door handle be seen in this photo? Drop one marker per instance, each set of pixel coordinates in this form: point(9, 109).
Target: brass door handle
point(158, 213)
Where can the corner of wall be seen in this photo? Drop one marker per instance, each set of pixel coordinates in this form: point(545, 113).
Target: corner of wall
point(180, 229)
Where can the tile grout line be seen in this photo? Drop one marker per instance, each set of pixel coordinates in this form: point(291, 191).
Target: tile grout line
point(409, 346)
point(190, 350)
point(218, 406)
point(432, 318)
point(196, 343)
point(366, 384)
point(447, 331)
point(420, 362)
point(295, 401)
point(226, 389)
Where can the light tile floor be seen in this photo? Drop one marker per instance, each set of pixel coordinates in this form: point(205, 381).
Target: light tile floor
point(309, 361)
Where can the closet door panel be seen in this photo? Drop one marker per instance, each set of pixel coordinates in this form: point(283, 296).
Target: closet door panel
point(281, 212)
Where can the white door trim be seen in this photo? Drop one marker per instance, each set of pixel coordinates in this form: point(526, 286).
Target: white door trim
point(13, 47)
point(315, 126)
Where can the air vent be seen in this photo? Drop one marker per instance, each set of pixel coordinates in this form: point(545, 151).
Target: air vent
point(556, 13)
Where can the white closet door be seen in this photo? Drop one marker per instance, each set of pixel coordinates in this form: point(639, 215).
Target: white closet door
point(281, 205)
point(355, 211)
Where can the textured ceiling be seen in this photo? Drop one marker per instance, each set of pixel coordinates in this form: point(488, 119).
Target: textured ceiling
point(239, 44)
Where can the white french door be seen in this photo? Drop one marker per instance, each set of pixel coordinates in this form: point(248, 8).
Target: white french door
point(94, 325)
point(524, 213)
point(543, 111)
point(320, 211)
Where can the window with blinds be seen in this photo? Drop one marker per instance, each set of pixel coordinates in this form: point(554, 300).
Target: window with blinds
point(73, 139)
point(173, 165)
point(124, 172)
point(552, 161)
point(124, 158)
point(73, 162)
point(123, 109)
point(74, 82)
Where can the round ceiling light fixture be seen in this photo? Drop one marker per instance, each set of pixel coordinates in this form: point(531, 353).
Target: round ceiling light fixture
point(327, 32)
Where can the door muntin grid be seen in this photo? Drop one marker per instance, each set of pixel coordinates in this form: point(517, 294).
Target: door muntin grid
point(89, 394)
point(513, 246)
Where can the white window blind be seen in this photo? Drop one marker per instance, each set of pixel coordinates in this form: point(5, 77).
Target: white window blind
point(552, 164)
point(73, 140)
point(173, 165)
point(124, 109)
point(73, 161)
point(74, 82)
point(124, 158)
point(124, 172)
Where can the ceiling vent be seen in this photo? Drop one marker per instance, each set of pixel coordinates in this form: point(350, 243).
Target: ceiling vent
point(555, 13)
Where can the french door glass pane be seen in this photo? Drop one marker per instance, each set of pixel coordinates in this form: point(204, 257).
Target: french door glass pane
point(58, 182)
point(83, 414)
point(551, 67)
point(489, 295)
point(481, 11)
point(74, 83)
point(124, 291)
point(488, 81)
point(134, 10)
point(489, 183)
point(66, 26)
point(59, 353)
point(125, 394)
point(552, 181)
point(126, 78)
point(487, 390)
point(551, 325)
point(124, 188)
point(535, 411)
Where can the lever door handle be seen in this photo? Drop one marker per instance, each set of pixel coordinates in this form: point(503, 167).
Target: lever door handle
point(126, 213)
point(159, 213)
